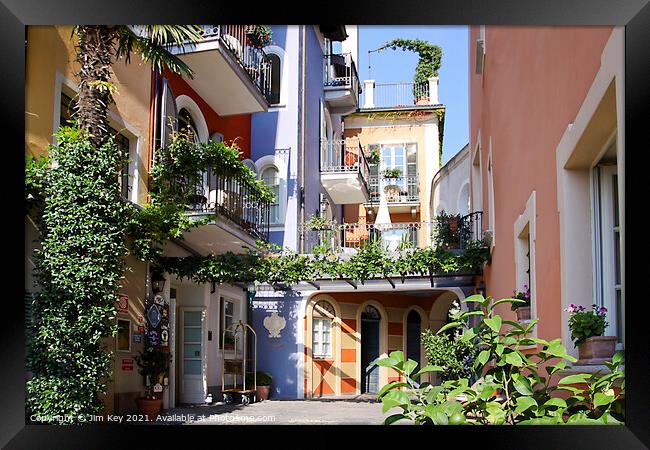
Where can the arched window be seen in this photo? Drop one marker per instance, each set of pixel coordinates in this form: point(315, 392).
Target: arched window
point(370, 313)
point(269, 176)
point(275, 78)
point(322, 317)
point(186, 123)
point(251, 165)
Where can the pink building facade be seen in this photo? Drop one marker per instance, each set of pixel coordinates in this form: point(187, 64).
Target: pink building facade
point(547, 167)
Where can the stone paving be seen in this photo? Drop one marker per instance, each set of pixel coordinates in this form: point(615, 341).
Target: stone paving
point(359, 410)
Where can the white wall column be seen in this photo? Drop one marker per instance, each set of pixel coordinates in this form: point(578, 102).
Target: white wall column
point(433, 90)
point(369, 89)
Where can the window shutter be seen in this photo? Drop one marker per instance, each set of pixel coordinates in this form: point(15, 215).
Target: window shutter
point(411, 160)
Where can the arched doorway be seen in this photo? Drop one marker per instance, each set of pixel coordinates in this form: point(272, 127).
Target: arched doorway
point(413, 332)
point(370, 321)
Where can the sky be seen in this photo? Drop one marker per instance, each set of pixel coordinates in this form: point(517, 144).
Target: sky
point(397, 66)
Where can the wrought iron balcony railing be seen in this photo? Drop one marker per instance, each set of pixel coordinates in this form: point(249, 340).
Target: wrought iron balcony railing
point(339, 156)
point(340, 71)
point(399, 95)
point(253, 60)
point(236, 199)
point(348, 237)
point(397, 190)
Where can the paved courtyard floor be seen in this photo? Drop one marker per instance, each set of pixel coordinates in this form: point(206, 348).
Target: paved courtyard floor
point(359, 410)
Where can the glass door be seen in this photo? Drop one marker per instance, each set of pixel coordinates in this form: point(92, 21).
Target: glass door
point(193, 357)
point(393, 158)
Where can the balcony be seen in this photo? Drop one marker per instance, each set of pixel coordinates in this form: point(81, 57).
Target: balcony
point(344, 171)
point(349, 237)
point(400, 191)
point(242, 217)
point(400, 95)
point(229, 74)
point(341, 84)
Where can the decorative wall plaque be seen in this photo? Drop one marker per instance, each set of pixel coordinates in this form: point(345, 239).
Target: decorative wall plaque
point(274, 323)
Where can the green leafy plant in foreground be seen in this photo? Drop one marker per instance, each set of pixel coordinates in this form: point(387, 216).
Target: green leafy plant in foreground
point(515, 387)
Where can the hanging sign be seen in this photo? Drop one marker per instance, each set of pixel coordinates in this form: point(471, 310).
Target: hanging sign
point(123, 303)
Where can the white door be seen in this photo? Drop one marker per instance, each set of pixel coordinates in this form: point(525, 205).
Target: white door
point(192, 358)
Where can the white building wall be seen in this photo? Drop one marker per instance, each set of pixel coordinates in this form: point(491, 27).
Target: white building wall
point(450, 187)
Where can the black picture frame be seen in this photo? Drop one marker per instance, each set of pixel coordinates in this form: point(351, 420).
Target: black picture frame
point(633, 14)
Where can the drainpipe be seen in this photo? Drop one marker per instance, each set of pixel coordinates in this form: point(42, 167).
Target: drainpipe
point(301, 128)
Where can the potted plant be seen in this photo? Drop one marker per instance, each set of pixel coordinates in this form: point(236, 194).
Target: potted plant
point(587, 329)
point(258, 36)
point(522, 309)
point(373, 156)
point(447, 231)
point(393, 173)
point(153, 365)
point(263, 385)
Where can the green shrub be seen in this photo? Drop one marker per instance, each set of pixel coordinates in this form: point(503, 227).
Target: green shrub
point(82, 225)
point(454, 355)
point(514, 389)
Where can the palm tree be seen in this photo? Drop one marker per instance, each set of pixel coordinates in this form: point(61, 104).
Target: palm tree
point(97, 48)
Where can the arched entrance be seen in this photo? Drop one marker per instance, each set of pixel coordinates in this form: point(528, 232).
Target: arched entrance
point(413, 332)
point(370, 322)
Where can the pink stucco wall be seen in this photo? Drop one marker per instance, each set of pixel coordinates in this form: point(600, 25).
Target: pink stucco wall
point(534, 82)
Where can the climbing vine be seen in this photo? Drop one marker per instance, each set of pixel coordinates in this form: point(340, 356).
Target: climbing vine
point(429, 57)
point(78, 270)
point(176, 171)
point(275, 266)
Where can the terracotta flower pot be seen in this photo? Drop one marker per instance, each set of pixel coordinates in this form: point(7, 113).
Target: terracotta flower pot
point(596, 350)
point(150, 407)
point(422, 101)
point(523, 313)
point(263, 393)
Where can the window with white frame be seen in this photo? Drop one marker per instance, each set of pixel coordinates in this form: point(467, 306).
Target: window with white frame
point(227, 319)
point(322, 318)
point(523, 259)
point(269, 175)
point(276, 78)
point(477, 181)
point(402, 157)
point(607, 244)
point(491, 211)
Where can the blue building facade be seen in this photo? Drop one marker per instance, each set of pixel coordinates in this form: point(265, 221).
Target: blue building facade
point(286, 151)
